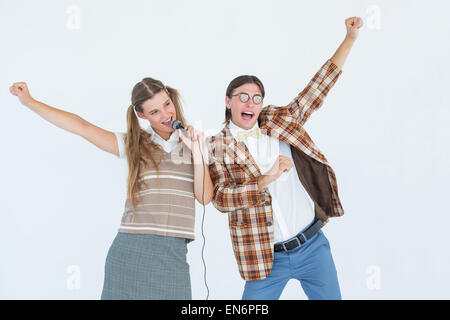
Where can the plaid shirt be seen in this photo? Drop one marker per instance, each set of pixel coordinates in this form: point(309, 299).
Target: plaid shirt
point(235, 176)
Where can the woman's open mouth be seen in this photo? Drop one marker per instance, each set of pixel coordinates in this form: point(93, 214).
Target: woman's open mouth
point(168, 122)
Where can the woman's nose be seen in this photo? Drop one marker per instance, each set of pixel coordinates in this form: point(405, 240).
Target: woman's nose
point(167, 114)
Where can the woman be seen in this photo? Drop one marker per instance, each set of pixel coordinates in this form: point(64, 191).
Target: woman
point(147, 259)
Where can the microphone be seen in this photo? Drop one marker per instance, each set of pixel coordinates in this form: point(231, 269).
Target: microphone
point(176, 124)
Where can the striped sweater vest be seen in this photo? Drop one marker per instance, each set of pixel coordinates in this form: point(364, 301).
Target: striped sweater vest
point(165, 204)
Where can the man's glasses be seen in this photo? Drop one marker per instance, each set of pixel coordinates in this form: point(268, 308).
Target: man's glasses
point(244, 97)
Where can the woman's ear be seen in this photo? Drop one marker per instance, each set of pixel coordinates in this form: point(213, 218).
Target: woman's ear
point(140, 115)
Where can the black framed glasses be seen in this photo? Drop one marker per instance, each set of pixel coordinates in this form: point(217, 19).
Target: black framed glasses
point(244, 97)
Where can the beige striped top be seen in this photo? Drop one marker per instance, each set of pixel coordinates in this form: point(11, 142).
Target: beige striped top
point(166, 203)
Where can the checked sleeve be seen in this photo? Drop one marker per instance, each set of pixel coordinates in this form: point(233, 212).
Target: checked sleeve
point(311, 98)
point(229, 196)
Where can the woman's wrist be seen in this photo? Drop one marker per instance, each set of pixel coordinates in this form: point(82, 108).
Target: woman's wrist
point(30, 103)
point(198, 153)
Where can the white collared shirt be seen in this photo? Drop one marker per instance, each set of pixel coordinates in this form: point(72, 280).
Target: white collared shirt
point(167, 145)
point(292, 207)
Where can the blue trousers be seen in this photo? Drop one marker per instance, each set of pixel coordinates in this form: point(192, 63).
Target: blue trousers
point(311, 264)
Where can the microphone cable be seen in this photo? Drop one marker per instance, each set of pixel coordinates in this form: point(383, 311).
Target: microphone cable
point(176, 124)
point(203, 220)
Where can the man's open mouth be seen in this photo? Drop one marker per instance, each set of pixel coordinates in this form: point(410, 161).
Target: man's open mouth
point(247, 115)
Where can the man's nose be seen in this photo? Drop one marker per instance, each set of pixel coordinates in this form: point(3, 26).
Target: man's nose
point(250, 103)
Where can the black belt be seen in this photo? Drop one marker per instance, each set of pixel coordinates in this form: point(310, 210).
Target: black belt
point(299, 239)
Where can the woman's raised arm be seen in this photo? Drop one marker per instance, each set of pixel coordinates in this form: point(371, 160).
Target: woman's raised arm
point(103, 139)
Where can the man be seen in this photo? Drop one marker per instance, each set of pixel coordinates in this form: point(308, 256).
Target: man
point(276, 186)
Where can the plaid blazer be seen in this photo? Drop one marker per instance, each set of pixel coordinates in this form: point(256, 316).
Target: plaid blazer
point(235, 176)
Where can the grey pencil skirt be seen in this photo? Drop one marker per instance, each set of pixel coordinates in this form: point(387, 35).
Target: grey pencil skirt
point(146, 267)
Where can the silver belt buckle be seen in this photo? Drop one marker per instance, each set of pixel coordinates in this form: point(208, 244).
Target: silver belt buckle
point(284, 244)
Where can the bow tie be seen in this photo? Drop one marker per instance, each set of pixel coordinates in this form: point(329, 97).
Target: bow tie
point(242, 135)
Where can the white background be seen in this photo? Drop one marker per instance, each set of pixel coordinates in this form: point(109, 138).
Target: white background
point(384, 129)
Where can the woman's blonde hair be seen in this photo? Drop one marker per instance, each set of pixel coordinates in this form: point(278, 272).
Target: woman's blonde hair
point(140, 148)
